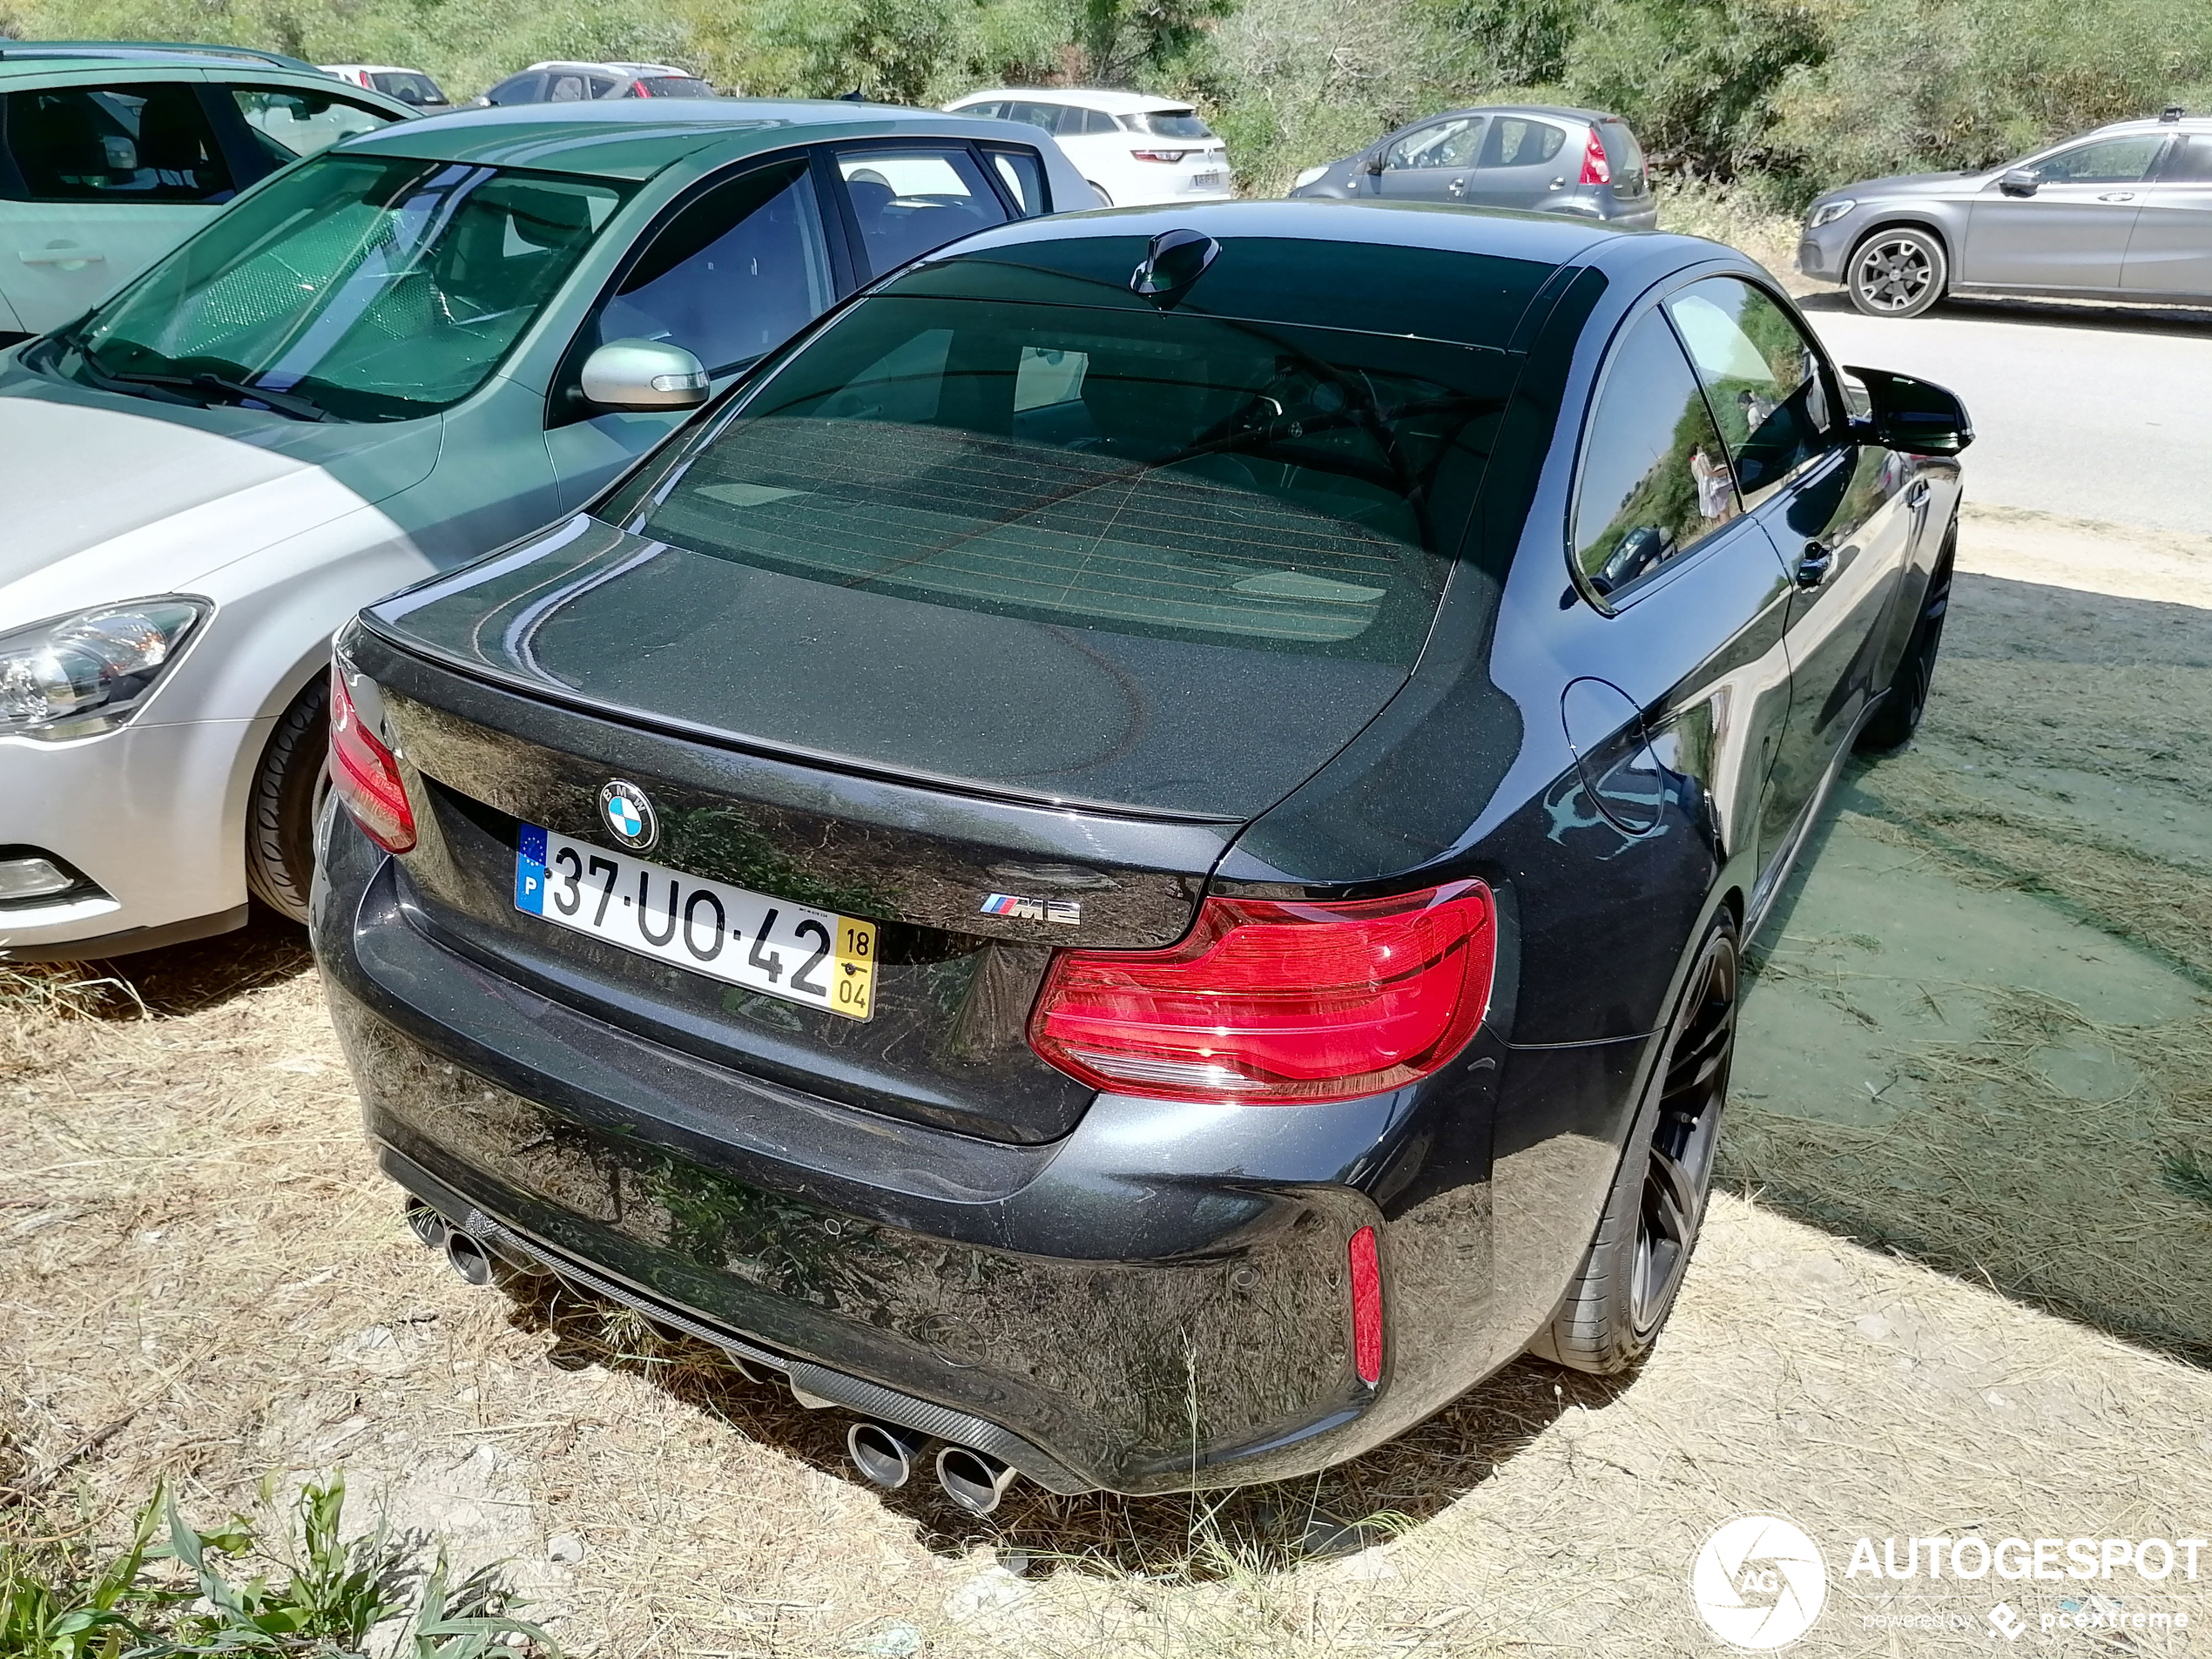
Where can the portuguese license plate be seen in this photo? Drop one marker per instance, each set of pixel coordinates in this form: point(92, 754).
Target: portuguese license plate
point(804, 955)
point(1205, 181)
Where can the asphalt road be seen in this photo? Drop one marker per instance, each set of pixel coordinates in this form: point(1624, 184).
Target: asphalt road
point(2095, 412)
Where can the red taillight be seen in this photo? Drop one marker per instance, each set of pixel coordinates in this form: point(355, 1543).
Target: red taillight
point(364, 775)
point(1366, 1307)
point(1597, 170)
point(1269, 1004)
point(1159, 155)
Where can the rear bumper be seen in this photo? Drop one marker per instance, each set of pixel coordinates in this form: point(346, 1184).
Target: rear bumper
point(1158, 1300)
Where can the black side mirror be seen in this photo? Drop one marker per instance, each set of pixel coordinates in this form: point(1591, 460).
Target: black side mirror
point(2021, 181)
point(1373, 164)
point(1916, 416)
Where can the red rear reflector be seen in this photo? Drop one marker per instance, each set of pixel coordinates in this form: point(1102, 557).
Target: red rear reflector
point(364, 777)
point(1597, 170)
point(1366, 1307)
point(1273, 1003)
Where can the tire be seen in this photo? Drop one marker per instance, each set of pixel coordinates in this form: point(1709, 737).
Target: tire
point(288, 789)
point(1892, 724)
point(1649, 1228)
point(1899, 271)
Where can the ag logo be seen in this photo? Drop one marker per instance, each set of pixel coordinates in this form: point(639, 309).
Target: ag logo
point(1759, 1582)
point(629, 815)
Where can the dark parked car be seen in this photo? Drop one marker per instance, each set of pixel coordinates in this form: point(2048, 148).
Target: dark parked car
point(1103, 870)
point(571, 82)
point(1539, 157)
point(2124, 212)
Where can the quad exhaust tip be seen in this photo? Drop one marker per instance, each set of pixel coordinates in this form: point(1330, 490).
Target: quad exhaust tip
point(467, 1257)
point(971, 1479)
point(884, 1455)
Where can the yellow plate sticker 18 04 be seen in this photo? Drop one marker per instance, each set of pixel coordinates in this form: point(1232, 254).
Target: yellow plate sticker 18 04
point(853, 989)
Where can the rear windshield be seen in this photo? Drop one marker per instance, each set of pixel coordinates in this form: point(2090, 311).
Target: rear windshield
point(409, 88)
point(1160, 473)
point(1624, 154)
point(672, 86)
point(1168, 124)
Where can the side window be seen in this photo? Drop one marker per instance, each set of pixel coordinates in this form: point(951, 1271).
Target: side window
point(1516, 142)
point(1023, 176)
point(565, 89)
point(1442, 143)
point(983, 112)
point(1096, 124)
point(2109, 161)
point(2190, 165)
point(1762, 374)
point(146, 143)
point(1048, 116)
point(607, 86)
point(734, 275)
point(288, 124)
point(516, 89)
point(1655, 481)
point(906, 202)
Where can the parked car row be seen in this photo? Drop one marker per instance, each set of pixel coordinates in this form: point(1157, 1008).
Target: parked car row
point(994, 806)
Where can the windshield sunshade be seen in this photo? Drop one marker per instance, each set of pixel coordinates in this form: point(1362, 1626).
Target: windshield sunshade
point(1141, 473)
point(355, 288)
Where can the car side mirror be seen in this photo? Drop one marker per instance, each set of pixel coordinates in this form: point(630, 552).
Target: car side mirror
point(2021, 181)
point(643, 375)
point(1373, 166)
point(1916, 416)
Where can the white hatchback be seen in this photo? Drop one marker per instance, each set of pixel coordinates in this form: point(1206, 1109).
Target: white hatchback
point(1137, 151)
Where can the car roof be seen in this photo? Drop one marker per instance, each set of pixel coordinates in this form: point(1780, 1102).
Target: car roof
point(1084, 98)
point(1556, 111)
point(48, 54)
point(635, 140)
point(374, 69)
point(612, 66)
point(2152, 123)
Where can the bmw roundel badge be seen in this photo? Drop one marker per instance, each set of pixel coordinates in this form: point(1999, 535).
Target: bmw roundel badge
point(629, 815)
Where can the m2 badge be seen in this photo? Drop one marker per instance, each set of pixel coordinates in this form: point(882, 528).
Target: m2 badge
point(1069, 913)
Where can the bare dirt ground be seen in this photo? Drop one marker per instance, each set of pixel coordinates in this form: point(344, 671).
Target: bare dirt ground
point(1957, 1282)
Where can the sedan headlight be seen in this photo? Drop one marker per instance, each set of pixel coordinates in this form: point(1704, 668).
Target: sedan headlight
point(1309, 176)
point(76, 676)
point(1828, 212)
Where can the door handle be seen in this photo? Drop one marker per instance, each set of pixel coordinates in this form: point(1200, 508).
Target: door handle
point(1813, 568)
point(1457, 187)
point(53, 253)
point(1918, 495)
point(2117, 196)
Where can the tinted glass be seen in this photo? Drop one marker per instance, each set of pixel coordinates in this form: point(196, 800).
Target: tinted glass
point(1138, 472)
point(408, 88)
point(736, 273)
point(983, 112)
point(2190, 162)
point(1655, 478)
point(516, 89)
point(672, 86)
point(1516, 142)
point(1168, 124)
point(2109, 161)
point(1624, 154)
point(909, 201)
point(1445, 144)
point(375, 289)
point(566, 89)
point(289, 125)
point(1023, 176)
point(143, 143)
point(1761, 376)
point(1050, 116)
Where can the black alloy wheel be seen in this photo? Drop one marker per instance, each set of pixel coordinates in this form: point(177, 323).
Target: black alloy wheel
point(1649, 1230)
point(1897, 273)
point(1678, 1171)
point(1891, 726)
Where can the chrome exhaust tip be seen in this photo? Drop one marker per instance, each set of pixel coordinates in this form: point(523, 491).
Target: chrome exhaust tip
point(467, 1257)
point(427, 1224)
point(973, 1480)
point(884, 1455)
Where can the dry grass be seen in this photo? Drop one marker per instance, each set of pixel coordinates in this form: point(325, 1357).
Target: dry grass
point(1694, 208)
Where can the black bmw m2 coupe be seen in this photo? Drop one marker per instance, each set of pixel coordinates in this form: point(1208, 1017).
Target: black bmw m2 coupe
point(1129, 864)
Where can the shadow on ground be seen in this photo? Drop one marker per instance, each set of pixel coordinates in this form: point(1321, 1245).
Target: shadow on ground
point(1979, 1033)
point(1347, 1508)
point(177, 980)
